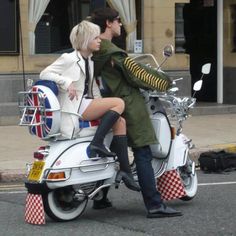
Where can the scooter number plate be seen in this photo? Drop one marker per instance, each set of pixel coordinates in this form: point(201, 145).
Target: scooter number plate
point(36, 170)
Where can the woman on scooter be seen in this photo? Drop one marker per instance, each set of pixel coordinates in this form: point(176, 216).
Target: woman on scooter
point(79, 94)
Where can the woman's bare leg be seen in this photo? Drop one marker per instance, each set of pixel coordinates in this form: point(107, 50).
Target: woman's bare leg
point(99, 106)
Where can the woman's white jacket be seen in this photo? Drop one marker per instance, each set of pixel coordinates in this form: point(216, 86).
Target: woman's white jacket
point(68, 68)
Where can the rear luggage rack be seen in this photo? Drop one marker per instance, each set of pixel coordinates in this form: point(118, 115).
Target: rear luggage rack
point(40, 111)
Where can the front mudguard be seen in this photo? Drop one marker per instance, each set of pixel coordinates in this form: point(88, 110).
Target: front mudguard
point(179, 152)
point(37, 188)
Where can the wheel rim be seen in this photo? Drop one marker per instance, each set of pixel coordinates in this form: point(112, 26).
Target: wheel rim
point(63, 206)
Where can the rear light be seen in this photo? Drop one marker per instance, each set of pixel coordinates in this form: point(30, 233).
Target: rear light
point(41, 153)
point(57, 176)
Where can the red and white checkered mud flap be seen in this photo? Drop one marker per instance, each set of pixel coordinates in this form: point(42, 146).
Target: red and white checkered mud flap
point(34, 210)
point(170, 185)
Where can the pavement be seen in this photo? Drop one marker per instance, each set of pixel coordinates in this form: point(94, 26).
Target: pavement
point(208, 132)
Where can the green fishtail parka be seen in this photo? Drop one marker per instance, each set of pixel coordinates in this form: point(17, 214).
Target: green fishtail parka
point(122, 77)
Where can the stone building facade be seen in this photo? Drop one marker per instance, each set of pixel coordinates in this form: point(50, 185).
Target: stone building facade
point(182, 23)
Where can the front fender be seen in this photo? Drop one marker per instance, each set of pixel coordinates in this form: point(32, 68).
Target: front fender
point(179, 152)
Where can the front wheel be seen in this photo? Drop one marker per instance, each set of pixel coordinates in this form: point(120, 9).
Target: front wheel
point(61, 204)
point(189, 180)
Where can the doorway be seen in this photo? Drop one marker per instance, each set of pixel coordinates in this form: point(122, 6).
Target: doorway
point(200, 30)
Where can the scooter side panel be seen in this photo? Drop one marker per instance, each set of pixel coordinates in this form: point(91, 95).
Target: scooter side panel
point(78, 166)
point(57, 148)
point(163, 134)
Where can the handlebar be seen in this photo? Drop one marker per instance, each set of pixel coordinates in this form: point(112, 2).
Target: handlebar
point(179, 105)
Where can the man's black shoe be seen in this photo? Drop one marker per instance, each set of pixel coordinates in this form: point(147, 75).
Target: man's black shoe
point(101, 204)
point(163, 211)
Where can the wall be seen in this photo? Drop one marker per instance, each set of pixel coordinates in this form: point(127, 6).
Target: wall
point(229, 75)
point(229, 57)
point(159, 30)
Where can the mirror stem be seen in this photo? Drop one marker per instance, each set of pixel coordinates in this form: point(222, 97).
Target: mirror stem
point(161, 63)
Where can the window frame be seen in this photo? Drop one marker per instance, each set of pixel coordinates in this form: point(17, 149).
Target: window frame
point(13, 30)
point(179, 31)
point(233, 27)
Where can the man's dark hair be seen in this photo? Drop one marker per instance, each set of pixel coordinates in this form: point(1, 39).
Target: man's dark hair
point(101, 15)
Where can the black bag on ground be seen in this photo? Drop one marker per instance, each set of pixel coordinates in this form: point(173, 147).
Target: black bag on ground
point(217, 161)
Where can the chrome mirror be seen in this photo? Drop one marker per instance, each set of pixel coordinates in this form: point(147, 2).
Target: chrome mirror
point(168, 51)
point(206, 68)
point(197, 85)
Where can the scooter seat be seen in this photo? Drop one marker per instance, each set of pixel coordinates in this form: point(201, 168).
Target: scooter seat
point(86, 128)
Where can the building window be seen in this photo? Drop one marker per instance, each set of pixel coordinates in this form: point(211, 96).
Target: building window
point(9, 30)
point(233, 20)
point(179, 28)
point(53, 30)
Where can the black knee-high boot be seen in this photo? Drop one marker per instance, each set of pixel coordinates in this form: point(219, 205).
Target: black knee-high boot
point(120, 147)
point(97, 147)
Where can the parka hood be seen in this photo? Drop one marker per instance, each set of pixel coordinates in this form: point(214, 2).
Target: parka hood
point(101, 57)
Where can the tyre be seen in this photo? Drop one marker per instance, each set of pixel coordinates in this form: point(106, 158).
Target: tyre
point(61, 205)
point(189, 180)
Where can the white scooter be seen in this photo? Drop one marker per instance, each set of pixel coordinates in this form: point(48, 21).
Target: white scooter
point(67, 178)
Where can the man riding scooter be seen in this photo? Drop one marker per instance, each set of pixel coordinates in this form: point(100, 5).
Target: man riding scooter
point(121, 77)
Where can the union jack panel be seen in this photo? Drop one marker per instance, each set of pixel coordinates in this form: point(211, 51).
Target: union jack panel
point(41, 112)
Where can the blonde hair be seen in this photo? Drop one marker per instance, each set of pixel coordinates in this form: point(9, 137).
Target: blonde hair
point(83, 33)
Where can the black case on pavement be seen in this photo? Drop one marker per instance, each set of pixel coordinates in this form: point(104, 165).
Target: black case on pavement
point(217, 161)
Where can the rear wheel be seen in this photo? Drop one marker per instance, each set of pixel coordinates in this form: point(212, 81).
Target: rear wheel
point(189, 179)
point(62, 205)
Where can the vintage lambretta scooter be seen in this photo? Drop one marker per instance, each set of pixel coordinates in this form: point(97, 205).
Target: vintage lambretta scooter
point(64, 175)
